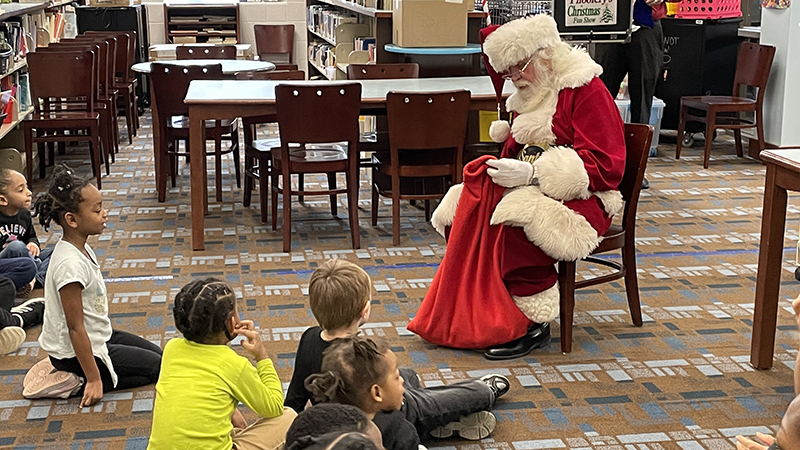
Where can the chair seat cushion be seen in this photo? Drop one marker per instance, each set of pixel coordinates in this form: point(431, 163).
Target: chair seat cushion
point(183, 122)
point(716, 100)
point(315, 153)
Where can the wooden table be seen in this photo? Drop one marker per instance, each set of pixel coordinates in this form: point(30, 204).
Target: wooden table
point(783, 174)
point(160, 52)
point(228, 98)
point(229, 66)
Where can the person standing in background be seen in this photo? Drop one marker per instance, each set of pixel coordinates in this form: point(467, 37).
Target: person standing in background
point(640, 59)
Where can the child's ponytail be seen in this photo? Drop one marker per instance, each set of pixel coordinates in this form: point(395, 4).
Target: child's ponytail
point(326, 387)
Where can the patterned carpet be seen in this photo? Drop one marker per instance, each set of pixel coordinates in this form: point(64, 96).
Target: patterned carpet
point(682, 381)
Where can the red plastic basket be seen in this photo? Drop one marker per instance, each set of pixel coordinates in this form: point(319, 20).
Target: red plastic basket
point(709, 9)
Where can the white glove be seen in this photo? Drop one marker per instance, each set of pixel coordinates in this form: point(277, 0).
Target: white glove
point(509, 173)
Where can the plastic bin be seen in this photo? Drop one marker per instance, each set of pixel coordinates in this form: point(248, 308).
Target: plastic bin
point(704, 9)
point(656, 113)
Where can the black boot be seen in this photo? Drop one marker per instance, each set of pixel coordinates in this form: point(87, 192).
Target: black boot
point(538, 335)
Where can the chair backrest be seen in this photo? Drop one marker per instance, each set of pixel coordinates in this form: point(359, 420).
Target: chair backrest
point(382, 71)
point(124, 51)
point(170, 83)
point(105, 59)
point(753, 64)
point(274, 40)
point(71, 45)
point(637, 149)
point(74, 79)
point(305, 113)
point(205, 51)
point(272, 75)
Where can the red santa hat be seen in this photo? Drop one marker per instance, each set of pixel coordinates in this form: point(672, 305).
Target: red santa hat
point(518, 40)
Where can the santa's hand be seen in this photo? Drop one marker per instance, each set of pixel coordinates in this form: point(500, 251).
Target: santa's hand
point(509, 172)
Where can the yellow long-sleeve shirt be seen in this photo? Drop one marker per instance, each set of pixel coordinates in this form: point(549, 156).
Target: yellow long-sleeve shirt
point(198, 389)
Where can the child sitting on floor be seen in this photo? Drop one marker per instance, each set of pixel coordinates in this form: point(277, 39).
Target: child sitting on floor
point(17, 234)
point(77, 332)
point(357, 371)
point(203, 380)
point(340, 295)
point(325, 418)
point(14, 319)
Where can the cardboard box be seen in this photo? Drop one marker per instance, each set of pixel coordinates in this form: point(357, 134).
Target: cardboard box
point(430, 23)
point(113, 2)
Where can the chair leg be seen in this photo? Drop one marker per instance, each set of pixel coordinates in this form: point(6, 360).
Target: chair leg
point(681, 130)
point(29, 152)
point(331, 186)
point(427, 210)
point(287, 211)
point(395, 210)
point(62, 148)
point(566, 287)
point(737, 137)
point(710, 119)
point(96, 155)
point(218, 159)
point(375, 199)
point(353, 184)
point(274, 198)
point(237, 169)
point(300, 187)
point(43, 159)
point(263, 185)
point(760, 129)
point(248, 181)
point(632, 282)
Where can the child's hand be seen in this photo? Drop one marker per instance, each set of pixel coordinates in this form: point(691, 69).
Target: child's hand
point(743, 443)
point(34, 249)
point(253, 344)
point(238, 420)
point(92, 393)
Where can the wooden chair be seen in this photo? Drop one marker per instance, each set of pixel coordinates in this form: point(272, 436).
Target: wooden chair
point(426, 139)
point(73, 82)
point(307, 129)
point(170, 84)
point(382, 71)
point(102, 99)
point(275, 40)
point(208, 51)
point(123, 80)
point(752, 69)
point(258, 153)
point(618, 237)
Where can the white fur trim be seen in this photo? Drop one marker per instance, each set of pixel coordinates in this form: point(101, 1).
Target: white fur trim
point(446, 211)
point(519, 39)
point(535, 127)
point(499, 130)
point(575, 68)
point(612, 201)
point(540, 307)
point(559, 231)
point(562, 175)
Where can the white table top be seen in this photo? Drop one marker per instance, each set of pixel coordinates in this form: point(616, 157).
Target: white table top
point(160, 52)
point(229, 66)
point(263, 92)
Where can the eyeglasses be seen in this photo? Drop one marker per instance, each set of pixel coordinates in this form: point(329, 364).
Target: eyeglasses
point(509, 75)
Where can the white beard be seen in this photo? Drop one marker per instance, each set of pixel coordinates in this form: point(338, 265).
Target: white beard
point(535, 104)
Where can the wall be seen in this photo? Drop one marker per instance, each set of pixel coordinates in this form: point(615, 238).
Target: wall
point(781, 28)
point(250, 13)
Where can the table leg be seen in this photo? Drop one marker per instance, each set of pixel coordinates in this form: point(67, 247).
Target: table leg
point(197, 156)
point(765, 315)
point(158, 151)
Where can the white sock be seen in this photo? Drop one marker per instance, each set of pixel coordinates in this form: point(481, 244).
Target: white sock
point(20, 319)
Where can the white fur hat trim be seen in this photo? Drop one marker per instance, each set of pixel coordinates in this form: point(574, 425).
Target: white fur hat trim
point(517, 40)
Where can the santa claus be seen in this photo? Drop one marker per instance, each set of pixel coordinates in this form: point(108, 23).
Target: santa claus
point(550, 197)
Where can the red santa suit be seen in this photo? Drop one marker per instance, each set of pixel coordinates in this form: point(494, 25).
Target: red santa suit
point(561, 216)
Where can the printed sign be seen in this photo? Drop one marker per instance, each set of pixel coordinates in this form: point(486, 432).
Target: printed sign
point(590, 12)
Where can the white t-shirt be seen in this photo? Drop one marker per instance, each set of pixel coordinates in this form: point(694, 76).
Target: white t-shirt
point(70, 265)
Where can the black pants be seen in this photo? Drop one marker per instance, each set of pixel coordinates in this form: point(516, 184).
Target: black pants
point(136, 362)
point(641, 59)
point(7, 293)
point(429, 408)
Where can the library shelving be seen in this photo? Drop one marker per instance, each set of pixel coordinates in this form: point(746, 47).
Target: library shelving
point(202, 22)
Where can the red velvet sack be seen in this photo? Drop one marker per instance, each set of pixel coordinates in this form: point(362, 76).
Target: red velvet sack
point(468, 305)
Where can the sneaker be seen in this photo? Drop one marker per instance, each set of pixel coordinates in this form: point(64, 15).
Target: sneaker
point(44, 381)
point(473, 427)
point(11, 338)
point(498, 383)
point(30, 312)
point(25, 291)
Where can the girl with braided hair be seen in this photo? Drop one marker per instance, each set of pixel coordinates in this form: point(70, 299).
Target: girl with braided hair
point(203, 380)
point(77, 332)
point(357, 371)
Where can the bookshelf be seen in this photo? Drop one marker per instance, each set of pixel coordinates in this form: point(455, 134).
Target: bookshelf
point(188, 23)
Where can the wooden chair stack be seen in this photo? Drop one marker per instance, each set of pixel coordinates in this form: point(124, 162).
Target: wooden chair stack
point(274, 40)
